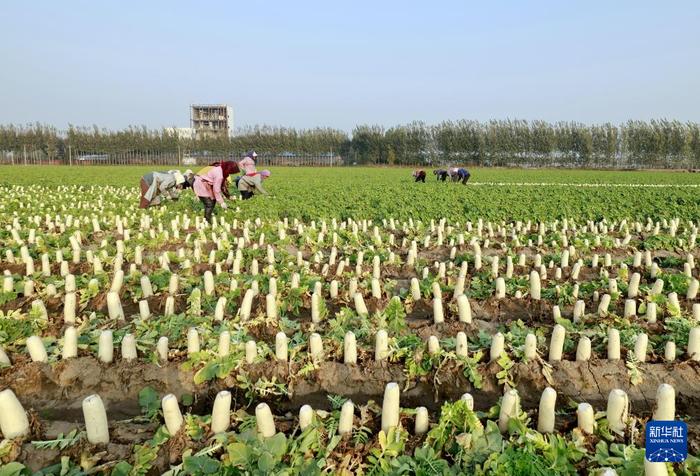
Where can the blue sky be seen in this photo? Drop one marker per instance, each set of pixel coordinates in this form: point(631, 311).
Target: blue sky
point(341, 63)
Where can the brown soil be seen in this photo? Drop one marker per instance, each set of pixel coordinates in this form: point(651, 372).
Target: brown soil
point(56, 393)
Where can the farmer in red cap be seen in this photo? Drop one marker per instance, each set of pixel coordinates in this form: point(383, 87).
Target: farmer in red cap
point(210, 185)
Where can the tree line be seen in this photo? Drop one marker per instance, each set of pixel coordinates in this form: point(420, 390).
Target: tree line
point(656, 143)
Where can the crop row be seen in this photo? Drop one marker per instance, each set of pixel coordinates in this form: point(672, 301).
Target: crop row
point(348, 424)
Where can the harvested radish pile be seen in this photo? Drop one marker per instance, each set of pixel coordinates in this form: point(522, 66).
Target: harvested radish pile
point(151, 342)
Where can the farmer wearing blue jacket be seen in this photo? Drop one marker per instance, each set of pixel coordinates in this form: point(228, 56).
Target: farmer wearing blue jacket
point(458, 174)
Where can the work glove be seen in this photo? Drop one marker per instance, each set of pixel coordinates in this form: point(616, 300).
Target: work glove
point(224, 206)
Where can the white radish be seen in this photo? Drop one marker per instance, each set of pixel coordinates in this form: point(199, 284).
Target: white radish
point(221, 412)
point(381, 345)
point(306, 416)
point(171, 414)
point(556, 344)
point(70, 343)
point(433, 345)
point(670, 351)
point(583, 350)
point(224, 344)
point(469, 399)
point(390, 406)
point(530, 349)
point(694, 344)
point(349, 348)
point(36, 349)
point(264, 420)
point(105, 347)
point(129, 348)
point(510, 408)
point(586, 417)
point(422, 421)
point(114, 306)
point(281, 346)
point(462, 346)
point(144, 310)
point(251, 351)
point(617, 410)
point(535, 286)
point(192, 341)
point(347, 414)
point(665, 403)
point(95, 416)
point(270, 306)
point(360, 306)
point(69, 307)
point(13, 418)
point(655, 469)
point(613, 344)
point(4, 359)
point(497, 346)
point(640, 347)
point(162, 348)
point(464, 309)
point(545, 417)
point(438, 314)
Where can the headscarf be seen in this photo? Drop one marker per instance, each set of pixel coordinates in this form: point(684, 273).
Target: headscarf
point(251, 153)
point(228, 167)
point(265, 173)
point(179, 178)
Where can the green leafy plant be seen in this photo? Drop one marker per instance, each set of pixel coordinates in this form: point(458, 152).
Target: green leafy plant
point(149, 403)
point(61, 442)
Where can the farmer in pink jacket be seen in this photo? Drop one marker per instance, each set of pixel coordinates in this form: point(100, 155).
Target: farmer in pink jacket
point(247, 165)
point(210, 185)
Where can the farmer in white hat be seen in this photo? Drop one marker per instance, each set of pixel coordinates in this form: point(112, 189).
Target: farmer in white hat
point(247, 164)
point(157, 185)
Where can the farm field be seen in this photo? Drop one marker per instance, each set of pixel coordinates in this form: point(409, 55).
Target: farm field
point(376, 193)
point(352, 322)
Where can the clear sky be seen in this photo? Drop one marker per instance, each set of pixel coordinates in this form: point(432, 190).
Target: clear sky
point(340, 63)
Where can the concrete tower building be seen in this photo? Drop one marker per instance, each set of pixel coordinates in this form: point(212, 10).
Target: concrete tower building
point(211, 120)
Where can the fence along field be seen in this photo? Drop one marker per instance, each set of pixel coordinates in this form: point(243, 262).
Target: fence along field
point(312, 331)
point(170, 159)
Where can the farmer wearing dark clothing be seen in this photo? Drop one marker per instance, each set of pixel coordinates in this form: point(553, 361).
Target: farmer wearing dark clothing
point(463, 175)
point(441, 174)
point(458, 174)
point(419, 175)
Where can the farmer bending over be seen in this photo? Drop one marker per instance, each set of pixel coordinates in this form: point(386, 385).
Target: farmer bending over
point(157, 185)
point(441, 174)
point(463, 175)
point(248, 184)
point(210, 185)
point(419, 175)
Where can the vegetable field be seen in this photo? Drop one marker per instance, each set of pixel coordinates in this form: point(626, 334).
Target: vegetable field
point(352, 322)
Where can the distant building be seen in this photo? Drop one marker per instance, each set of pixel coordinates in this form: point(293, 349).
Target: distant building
point(184, 133)
point(211, 120)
